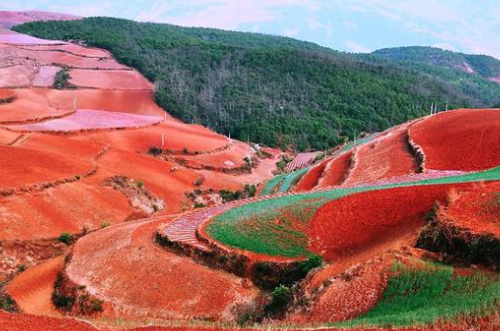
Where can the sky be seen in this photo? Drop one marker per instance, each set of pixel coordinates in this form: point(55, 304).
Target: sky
point(470, 26)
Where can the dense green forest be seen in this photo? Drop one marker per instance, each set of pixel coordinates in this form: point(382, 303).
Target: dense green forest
point(268, 89)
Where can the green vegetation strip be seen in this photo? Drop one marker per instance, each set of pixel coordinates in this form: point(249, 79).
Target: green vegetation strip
point(272, 184)
point(432, 292)
point(283, 183)
point(291, 179)
point(350, 145)
point(265, 227)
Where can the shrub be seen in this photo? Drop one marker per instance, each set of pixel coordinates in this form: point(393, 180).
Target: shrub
point(155, 151)
point(199, 181)
point(248, 160)
point(199, 205)
point(228, 196)
point(105, 225)
point(281, 298)
point(281, 165)
point(61, 80)
point(7, 304)
point(140, 184)
point(249, 191)
point(66, 238)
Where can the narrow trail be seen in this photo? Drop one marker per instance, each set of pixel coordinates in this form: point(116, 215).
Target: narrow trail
point(32, 289)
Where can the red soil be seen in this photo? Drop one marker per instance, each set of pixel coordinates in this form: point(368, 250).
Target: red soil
point(32, 289)
point(336, 171)
point(139, 102)
point(17, 322)
point(70, 60)
point(8, 137)
point(21, 166)
point(161, 178)
point(7, 95)
point(477, 210)
point(89, 119)
point(230, 158)
point(311, 179)
point(72, 49)
point(30, 105)
point(45, 76)
point(177, 136)
point(219, 180)
point(123, 266)
point(386, 156)
point(112, 262)
point(109, 80)
point(357, 222)
point(64, 208)
point(16, 76)
point(463, 139)
point(11, 18)
point(13, 38)
point(350, 294)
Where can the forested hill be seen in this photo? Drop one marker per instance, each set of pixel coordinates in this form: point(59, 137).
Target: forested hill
point(272, 90)
point(485, 66)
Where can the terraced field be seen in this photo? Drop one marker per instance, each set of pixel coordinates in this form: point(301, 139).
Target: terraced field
point(369, 238)
point(376, 213)
point(264, 236)
point(87, 120)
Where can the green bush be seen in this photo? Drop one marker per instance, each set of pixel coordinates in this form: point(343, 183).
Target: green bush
point(155, 151)
point(281, 298)
point(66, 238)
point(61, 80)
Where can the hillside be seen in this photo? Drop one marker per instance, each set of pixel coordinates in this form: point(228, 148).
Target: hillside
point(483, 65)
point(272, 90)
point(116, 216)
point(9, 19)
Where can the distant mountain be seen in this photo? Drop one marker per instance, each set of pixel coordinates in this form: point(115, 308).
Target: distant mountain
point(276, 90)
point(8, 19)
point(483, 65)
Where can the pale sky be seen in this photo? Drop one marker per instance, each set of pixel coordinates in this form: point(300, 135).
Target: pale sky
point(346, 25)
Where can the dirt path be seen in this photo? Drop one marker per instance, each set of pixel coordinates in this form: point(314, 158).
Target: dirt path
point(32, 289)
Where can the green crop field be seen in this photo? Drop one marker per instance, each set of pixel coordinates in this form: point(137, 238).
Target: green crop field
point(283, 183)
point(260, 227)
point(431, 292)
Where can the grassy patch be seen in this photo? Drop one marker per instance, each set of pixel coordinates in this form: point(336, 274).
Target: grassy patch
point(271, 184)
point(262, 226)
point(276, 235)
point(292, 179)
point(283, 183)
point(426, 294)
